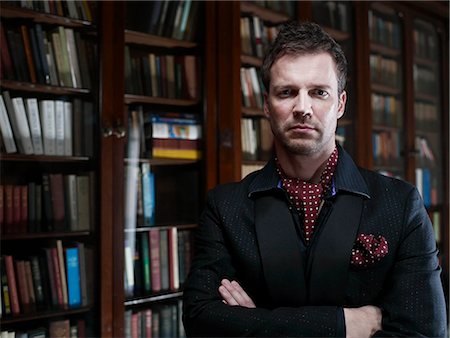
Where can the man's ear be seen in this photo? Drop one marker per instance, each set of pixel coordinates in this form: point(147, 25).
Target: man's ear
point(342, 102)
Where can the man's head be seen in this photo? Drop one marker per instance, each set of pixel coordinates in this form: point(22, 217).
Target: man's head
point(298, 39)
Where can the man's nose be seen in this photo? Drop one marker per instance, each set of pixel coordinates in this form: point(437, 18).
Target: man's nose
point(302, 105)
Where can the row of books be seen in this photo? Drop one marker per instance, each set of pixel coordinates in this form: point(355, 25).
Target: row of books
point(164, 135)
point(386, 147)
point(80, 9)
point(57, 56)
point(256, 139)
point(256, 36)
point(426, 114)
point(425, 43)
point(384, 71)
point(384, 30)
point(172, 19)
point(425, 81)
point(156, 260)
point(57, 203)
point(56, 328)
point(387, 110)
point(166, 76)
point(427, 185)
point(47, 127)
point(55, 278)
point(252, 88)
point(162, 320)
point(334, 14)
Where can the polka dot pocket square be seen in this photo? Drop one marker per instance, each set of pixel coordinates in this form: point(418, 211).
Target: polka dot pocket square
point(368, 250)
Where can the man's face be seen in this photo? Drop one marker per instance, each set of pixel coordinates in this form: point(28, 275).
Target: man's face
point(303, 104)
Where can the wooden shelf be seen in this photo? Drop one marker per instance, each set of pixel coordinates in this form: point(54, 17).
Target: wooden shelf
point(43, 315)
point(44, 235)
point(167, 295)
point(385, 89)
point(251, 60)
point(162, 227)
point(143, 39)
point(140, 99)
point(263, 13)
point(44, 89)
point(336, 34)
point(427, 62)
point(384, 127)
point(250, 111)
point(162, 161)
point(385, 50)
point(42, 158)
point(39, 17)
point(426, 97)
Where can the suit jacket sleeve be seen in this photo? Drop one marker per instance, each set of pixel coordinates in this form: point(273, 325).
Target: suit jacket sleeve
point(413, 304)
point(206, 315)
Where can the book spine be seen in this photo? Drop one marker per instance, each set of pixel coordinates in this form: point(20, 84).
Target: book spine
point(9, 264)
point(73, 277)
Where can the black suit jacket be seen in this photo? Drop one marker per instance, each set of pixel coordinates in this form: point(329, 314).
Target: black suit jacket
point(250, 233)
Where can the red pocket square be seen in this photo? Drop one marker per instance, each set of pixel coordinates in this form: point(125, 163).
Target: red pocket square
point(368, 249)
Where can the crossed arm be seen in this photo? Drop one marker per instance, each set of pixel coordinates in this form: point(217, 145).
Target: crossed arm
point(360, 322)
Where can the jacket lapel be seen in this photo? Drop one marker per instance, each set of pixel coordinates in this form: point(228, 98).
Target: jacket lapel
point(330, 257)
point(280, 249)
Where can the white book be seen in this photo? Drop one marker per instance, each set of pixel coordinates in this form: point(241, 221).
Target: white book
point(62, 269)
point(173, 233)
point(59, 127)
point(73, 58)
point(256, 87)
point(23, 130)
point(35, 125)
point(47, 112)
point(68, 127)
point(6, 130)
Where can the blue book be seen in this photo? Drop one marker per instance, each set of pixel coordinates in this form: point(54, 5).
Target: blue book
point(148, 195)
point(426, 184)
point(73, 277)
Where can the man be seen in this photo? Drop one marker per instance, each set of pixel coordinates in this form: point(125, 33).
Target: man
point(312, 245)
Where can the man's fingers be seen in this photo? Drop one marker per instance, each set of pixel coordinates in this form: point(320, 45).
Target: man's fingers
point(227, 296)
point(233, 294)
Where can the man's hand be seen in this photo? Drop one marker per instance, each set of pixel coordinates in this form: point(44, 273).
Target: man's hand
point(362, 322)
point(233, 294)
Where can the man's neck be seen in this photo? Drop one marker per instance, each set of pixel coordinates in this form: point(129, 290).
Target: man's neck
point(308, 168)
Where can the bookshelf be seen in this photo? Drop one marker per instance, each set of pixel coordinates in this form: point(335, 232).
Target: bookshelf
point(49, 167)
point(157, 139)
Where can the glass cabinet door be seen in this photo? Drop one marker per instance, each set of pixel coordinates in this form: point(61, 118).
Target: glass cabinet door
point(386, 54)
point(337, 18)
point(427, 115)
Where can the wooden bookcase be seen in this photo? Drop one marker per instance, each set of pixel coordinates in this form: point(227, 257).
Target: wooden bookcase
point(51, 223)
point(220, 109)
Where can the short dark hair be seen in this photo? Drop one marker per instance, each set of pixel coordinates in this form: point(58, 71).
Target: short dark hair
point(300, 38)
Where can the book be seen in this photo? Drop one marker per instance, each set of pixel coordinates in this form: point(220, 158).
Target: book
point(84, 202)
point(83, 273)
point(59, 127)
point(174, 277)
point(28, 53)
point(6, 130)
point(6, 301)
point(35, 125)
point(155, 259)
point(148, 194)
point(12, 286)
point(19, 123)
point(145, 261)
point(30, 286)
point(50, 269)
point(73, 58)
point(57, 200)
point(9, 210)
point(68, 127)
point(164, 259)
point(6, 60)
point(60, 328)
point(37, 282)
point(73, 277)
point(47, 112)
point(71, 201)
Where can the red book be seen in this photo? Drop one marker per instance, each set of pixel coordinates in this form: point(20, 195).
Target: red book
point(17, 214)
point(24, 295)
point(6, 63)
point(148, 323)
point(51, 276)
point(154, 260)
point(57, 196)
point(10, 274)
point(2, 210)
point(23, 209)
point(81, 328)
point(57, 276)
point(9, 213)
point(28, 52)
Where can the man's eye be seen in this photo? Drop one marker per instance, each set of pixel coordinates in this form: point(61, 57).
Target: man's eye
point(321, 93)
point(284, 93)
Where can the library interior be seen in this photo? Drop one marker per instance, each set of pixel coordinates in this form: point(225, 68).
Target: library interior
point(117, 118)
